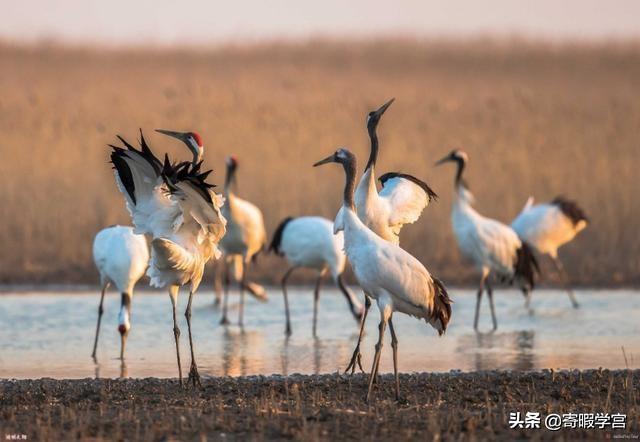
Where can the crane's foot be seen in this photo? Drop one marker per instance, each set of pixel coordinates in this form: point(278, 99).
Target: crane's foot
point(194, 376)
point(575, 304)
point(356, 359)
point(224, 321)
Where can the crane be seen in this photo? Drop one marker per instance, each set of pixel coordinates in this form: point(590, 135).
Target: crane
point(177, 208)
point(121, 257)
point(246, 237)
point(548, 226)
point(309, 242)
point(386, 272)
point(493, 247)
point(401, 200)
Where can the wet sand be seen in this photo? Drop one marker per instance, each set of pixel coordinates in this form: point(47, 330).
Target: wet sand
point(323, 407)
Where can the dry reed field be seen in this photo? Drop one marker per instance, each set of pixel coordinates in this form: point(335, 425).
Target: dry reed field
point(536, 120)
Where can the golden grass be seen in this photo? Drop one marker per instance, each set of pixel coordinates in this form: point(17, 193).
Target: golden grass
point(535, 120)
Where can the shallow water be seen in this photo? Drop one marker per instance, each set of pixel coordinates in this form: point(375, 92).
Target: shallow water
point(51, 335)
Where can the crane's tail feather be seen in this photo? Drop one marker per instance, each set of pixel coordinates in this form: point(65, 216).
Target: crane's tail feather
point(441, 314)
point(167, 258)
point(277, 236)
point(526, 267)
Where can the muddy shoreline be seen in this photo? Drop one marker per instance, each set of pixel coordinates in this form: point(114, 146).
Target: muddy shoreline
point(323, 407)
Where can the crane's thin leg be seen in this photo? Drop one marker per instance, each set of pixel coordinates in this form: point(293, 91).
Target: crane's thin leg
point(357, 313)
point(316, 297)
point(376, 359)
point(287, 329)
point(173, 294)
point(394, 346)
point(479, 298)
point(357, 357)
point(493, 309)
point(527, 299)
point(124, 371)
point(105, 286)
point(243, 283)
point(225, 302)
point(124, 333)
point(194, 376)
point(565, 281)
point(217, 284)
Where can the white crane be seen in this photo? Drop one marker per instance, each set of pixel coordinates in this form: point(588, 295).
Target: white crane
point(309, 242)
point(121, 257)
point(401, 200)
point(548, 226)
point(245, 238)
point(175, 206)
point(386, 273)
point(492, 246)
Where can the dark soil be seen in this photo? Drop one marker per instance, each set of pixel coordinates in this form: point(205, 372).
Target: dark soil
point(451, 406)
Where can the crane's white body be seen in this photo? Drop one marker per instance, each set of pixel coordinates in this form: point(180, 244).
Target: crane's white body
point(309, 241)
point(121, 257)
point(399, 202)
point(386, 272)
point(491, 245)
point(545, 227)
point(246, 234)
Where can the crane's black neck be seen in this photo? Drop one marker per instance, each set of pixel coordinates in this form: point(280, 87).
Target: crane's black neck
point(230, 176)
point(125, 301)
point(373, 153)
point(349, 166)
point(461, 163)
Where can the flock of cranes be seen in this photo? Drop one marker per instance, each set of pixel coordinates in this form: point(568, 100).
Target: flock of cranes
point(186, 224)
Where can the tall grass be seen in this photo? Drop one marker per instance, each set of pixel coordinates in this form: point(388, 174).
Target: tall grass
point(535, 120)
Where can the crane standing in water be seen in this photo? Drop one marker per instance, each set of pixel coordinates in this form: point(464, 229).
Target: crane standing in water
point(547, 227)
point(177, 208)
point(492, 246)
point(246, 237)
point(121, 257)
point(387, 273)
point(309, 242)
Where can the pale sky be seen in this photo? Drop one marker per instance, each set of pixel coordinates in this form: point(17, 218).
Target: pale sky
point(164, 22)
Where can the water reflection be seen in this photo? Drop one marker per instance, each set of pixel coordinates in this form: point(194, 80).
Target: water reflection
point(509, 350)
point(297, 354)
point(242, 351)
point(47, 344)
point(124, 369)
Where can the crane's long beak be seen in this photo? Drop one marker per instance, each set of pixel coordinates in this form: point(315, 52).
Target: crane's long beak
point(329, 159)
point(384, 107)
point(443, 160)
point(182, 136)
